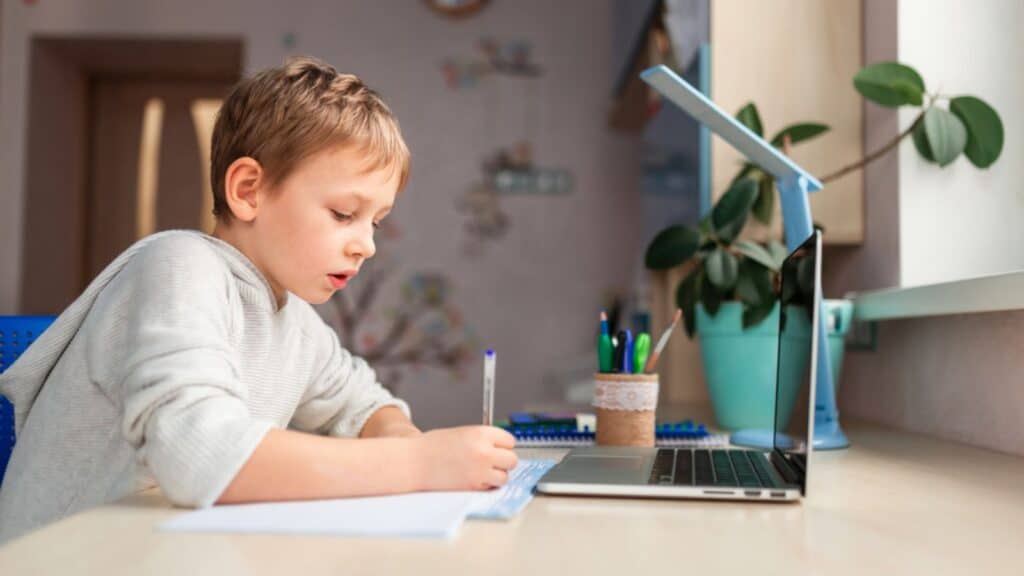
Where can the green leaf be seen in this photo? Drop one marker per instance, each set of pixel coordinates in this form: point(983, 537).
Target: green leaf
point(890, 84)
point(764, 204)
point(671, 247)
point(984, 129)
point(754, 315)
point(757, 253)
point(946, 135)
point(731, 212)
point(722, 267)
point(687, 294)
point(778, 252)
point(747, 171)
point(754, 284)
point(799, 133)
point(710, 297)
point(749, 117)
point(921, 142)
point(704, 226)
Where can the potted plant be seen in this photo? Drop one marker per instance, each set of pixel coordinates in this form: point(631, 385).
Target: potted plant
point(729, 294)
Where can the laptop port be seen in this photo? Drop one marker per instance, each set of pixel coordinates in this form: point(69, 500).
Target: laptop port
point(778, 494)
point(752, 493)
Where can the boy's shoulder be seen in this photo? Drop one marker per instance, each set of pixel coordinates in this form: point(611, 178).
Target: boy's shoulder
point(186, 249)
point(171, 261)
point(177, 245)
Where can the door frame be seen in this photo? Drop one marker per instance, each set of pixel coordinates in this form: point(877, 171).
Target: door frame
point(56, 231)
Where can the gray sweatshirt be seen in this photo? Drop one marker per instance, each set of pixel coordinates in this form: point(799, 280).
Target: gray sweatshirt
point(168, 371)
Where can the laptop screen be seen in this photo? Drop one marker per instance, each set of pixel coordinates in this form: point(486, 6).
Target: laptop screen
point(797, 347)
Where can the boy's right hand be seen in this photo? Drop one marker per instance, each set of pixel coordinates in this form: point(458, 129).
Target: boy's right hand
point(465, 458)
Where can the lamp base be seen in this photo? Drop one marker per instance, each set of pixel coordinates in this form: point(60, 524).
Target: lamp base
point(827, 433)
point(829, 436)
point(753, 438)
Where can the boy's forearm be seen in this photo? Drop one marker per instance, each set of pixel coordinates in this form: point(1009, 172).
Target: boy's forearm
point(290, 465)
point(389, 421)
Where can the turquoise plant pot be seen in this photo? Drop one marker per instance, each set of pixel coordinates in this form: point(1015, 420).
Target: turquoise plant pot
point(740, 365)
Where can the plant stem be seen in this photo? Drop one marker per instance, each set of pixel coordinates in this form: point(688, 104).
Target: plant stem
point(874, 155)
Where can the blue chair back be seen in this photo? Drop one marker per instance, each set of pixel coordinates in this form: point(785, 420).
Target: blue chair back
point(16, 333)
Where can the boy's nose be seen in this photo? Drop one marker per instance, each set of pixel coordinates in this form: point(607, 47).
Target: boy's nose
point(362, 246)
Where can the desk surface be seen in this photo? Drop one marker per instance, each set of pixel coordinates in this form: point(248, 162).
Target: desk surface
point(895, 503)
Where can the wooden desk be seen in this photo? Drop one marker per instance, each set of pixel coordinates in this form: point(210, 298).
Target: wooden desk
point(895, 503)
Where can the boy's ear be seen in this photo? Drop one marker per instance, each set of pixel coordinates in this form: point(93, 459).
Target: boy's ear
point(241, 188)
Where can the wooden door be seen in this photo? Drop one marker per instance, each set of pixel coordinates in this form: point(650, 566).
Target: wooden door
point(149, 162)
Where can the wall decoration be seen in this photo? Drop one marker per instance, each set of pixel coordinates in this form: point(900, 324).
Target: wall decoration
point(423, 329)
point(513, 172)
point(505, 173)
point(510, 58)
point(456, 8)
point(486, 221)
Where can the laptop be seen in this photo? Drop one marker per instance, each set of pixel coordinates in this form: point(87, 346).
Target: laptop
point(728, 474)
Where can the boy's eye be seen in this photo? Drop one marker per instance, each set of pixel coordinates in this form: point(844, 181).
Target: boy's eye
point(376, 225)
point(340, 216)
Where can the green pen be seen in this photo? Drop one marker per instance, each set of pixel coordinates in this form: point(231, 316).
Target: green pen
point(604, 346)
point(642, 349)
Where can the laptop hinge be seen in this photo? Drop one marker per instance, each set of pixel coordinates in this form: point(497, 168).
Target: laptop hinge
point(787, 469)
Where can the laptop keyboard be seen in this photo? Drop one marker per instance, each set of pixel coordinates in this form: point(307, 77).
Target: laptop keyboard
point(688, 467)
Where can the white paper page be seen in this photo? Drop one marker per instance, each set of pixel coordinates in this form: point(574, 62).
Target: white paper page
point(417, 515)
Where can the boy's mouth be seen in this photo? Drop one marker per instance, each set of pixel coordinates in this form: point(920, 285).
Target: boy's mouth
point(339, 280)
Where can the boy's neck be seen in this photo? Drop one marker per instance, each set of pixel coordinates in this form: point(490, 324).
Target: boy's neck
point(236, 235)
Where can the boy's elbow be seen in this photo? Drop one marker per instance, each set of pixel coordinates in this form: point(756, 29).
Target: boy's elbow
point(184, 496)
point(188, 488)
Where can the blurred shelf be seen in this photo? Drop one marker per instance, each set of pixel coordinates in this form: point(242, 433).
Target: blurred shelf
point(993, 293)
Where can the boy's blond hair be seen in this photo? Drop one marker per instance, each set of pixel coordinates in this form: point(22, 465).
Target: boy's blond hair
point(283, 115)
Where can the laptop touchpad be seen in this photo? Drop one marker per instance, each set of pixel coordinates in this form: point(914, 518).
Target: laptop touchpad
point(604, 469)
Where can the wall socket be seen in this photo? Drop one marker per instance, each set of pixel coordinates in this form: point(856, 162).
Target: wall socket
point(863, 336)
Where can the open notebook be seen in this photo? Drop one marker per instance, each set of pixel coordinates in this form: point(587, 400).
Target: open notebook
point(417, 515)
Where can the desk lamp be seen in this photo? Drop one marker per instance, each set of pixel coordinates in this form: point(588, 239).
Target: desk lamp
point(794, 185)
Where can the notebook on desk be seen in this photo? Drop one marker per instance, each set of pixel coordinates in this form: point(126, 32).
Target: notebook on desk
point(780, 474)
point(416, 515)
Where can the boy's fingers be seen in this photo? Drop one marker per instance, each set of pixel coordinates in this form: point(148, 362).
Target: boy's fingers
point(505, 459)
point(497, 478)
point(503, 439)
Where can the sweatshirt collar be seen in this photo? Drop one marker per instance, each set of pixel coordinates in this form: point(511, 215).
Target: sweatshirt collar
point(249, 273)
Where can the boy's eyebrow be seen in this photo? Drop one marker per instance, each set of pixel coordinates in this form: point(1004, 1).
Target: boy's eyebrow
point(364, 198)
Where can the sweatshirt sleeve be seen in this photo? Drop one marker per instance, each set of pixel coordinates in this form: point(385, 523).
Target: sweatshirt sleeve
point(165, 354)
point(344, 395)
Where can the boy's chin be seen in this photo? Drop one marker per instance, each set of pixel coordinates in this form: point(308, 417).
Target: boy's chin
point(315, 296)
point(321, 298)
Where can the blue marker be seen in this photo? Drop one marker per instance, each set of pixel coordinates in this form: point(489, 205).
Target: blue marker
point(627, 361)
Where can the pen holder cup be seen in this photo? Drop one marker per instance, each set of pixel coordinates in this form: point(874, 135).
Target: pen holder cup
point(625, 405)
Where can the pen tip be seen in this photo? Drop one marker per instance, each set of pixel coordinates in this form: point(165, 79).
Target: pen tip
point(679, 312)
point(604, 317)
point(489, 352)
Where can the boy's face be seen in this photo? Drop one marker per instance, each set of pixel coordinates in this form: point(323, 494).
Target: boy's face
point(315, 228)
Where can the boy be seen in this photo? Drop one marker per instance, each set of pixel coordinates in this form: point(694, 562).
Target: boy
point(195, 363)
